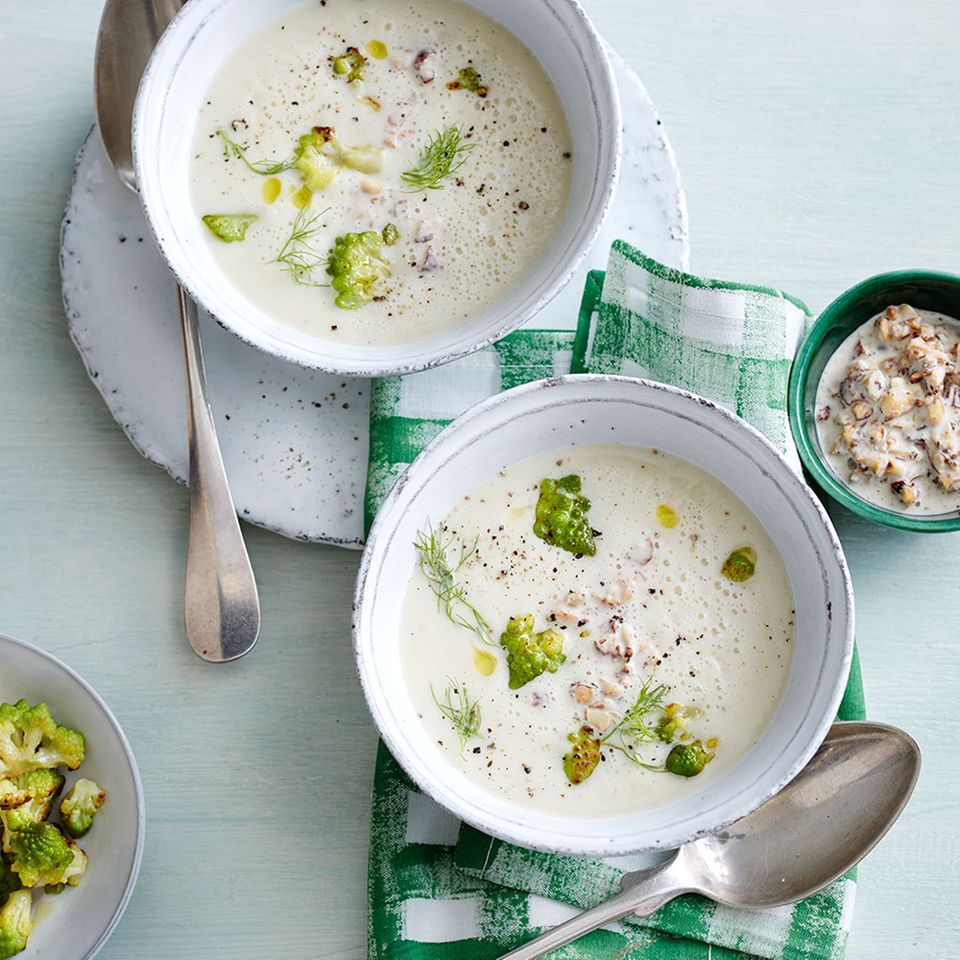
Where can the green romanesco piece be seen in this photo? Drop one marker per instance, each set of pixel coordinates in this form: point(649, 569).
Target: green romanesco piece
point(320, 155)
point(740, 565)
point(31, 740)
point(80, 806)
point(15, 923)
point(357, 267)
point(229, 227)
point(687, 759)
point(583, 756)
point(75, 869)
point(349, 64)
point(40, 854)
point(529, 654)
point(469, 79)
point(312, 161)
point(561, 516)
point(29, 786)
point(25, 800)
point(672, 723)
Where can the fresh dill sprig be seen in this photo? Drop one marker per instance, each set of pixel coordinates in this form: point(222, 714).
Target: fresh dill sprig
point(460, 710)
point(298, 256)
point(266, 168)
point(440, 567)
point(639, 724)
point(444, 154)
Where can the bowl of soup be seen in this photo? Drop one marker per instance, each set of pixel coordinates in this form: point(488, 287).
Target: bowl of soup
point(874, 400)
point(599, 615)
point(371, 189)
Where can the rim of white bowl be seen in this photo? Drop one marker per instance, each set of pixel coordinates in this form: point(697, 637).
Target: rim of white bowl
point(551, 841)
point(604, 181)
point(134, 871)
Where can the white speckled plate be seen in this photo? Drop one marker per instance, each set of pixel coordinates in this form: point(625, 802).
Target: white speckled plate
point(294, 441)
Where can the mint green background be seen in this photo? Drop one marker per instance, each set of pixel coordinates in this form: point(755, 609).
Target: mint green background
point(818, 144)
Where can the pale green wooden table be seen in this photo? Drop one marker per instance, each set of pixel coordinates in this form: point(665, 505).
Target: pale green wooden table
point(818, 143)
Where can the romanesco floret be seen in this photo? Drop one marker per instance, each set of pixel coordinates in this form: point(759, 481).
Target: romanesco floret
point(468, 79)
point(31, 740)
point(35, 792)
point(584, 755)
point(349, 64)
point(561, 516)
point(15, 923)
point(740, 565)
point(229, 227)
point(76, 868)
point(319, 155)
point(672, 723)
point(80, 806)
point(315, 166)
point(687, 759)
point(40, 854)
point(29, 786)
point(529, 654)
point(357, 268)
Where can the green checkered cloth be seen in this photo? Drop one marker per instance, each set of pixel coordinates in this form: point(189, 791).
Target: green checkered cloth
point(440, 890)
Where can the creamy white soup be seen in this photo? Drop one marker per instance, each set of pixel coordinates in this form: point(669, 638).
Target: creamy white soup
point(597, 630)
point(424, 135)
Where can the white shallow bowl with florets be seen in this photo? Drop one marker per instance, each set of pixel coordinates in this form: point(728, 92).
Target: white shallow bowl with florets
point(187, 59)
point(75, 924)
point(543, 416)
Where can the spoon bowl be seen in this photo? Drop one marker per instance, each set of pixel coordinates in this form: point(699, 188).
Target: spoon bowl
point(817, 828)
point(823, 823)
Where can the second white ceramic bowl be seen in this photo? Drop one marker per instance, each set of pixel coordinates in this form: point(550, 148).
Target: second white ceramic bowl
point(185, 62)
point(586, 409)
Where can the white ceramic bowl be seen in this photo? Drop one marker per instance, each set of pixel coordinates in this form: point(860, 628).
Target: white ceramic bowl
point(584, 409)
point(77, 923)
point(189, 56)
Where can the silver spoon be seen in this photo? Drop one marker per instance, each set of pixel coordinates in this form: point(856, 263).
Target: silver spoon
point(221, 605)
point(819, 826)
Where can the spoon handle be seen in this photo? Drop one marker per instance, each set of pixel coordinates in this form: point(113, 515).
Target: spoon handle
point(221, 605)
point(648, 890)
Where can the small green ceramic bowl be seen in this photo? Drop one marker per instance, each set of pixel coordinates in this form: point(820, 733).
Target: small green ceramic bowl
point(920, 288)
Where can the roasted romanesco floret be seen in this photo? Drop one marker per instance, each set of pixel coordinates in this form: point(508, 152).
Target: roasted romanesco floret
point(687, 759)
point(349, 64)
point(740, 565)
point(29, 786)
point(15, 923)
point(31, 740)
point(40, 854)
point(320, 155)
point(529, 654)
point(357, 267)
point(584, 754)
point(80, 806)
point(561, 516)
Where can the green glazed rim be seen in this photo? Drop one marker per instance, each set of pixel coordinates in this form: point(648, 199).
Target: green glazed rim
point(925, 289)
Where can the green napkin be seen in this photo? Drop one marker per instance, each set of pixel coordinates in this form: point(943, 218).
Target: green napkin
point(442, 891)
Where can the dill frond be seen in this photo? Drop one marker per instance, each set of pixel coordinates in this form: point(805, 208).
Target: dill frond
point(444, 154)
point(266, 168)
point(298, 257)
point(460, 710)
point(638, 725)
point(440, 567)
